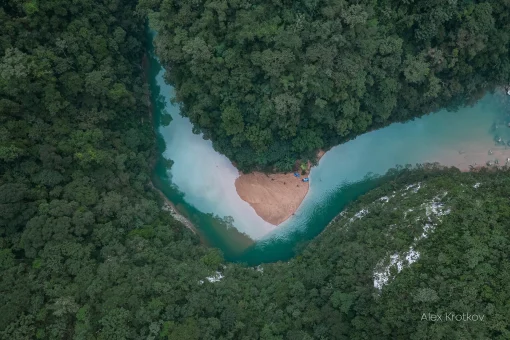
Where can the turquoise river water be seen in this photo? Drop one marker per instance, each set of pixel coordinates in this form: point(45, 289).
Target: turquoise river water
point(200, 181)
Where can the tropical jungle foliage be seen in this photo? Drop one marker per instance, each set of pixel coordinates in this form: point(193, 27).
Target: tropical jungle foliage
point(82, 237)
point(270, 82)
point(87, 253)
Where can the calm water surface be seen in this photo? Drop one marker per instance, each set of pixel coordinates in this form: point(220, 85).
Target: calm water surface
point(201, 181)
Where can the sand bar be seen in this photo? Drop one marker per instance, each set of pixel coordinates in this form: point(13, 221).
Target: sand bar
point(477, 157)
point(274, 197)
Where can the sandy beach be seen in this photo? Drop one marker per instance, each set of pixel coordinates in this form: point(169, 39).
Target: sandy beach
point(477, 157)
point(274, 197)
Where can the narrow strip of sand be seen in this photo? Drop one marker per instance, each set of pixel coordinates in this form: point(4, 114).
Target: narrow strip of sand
point(477, 157)
point(170, 207)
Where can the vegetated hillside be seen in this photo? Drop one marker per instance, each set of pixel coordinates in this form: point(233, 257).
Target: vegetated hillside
point(273, 81)
point(84, 245)
point(86, 252)
point(447, 231)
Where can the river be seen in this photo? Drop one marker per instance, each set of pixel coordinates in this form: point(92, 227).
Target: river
point(200, 182)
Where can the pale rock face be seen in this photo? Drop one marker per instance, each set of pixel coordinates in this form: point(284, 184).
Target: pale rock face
point(384, 199)
point(435, 207)
point(415, 187)
point(359, 215)
point(214, 278)
point(434, 210)
point(400, 261)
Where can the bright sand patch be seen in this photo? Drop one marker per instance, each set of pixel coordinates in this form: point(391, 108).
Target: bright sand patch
point(477, 157)
point(274, 197)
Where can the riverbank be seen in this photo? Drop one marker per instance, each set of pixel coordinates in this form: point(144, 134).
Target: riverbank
point(167, 204)
point(170, 207)
point(274, 197)
point(477, 157)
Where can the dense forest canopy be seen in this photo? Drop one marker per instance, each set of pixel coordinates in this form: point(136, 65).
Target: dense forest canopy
point(82, 237)
point(270, 82)
point(87, 253)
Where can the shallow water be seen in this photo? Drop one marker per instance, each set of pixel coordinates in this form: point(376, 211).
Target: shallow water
point(349, 170)
point(201, 181)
